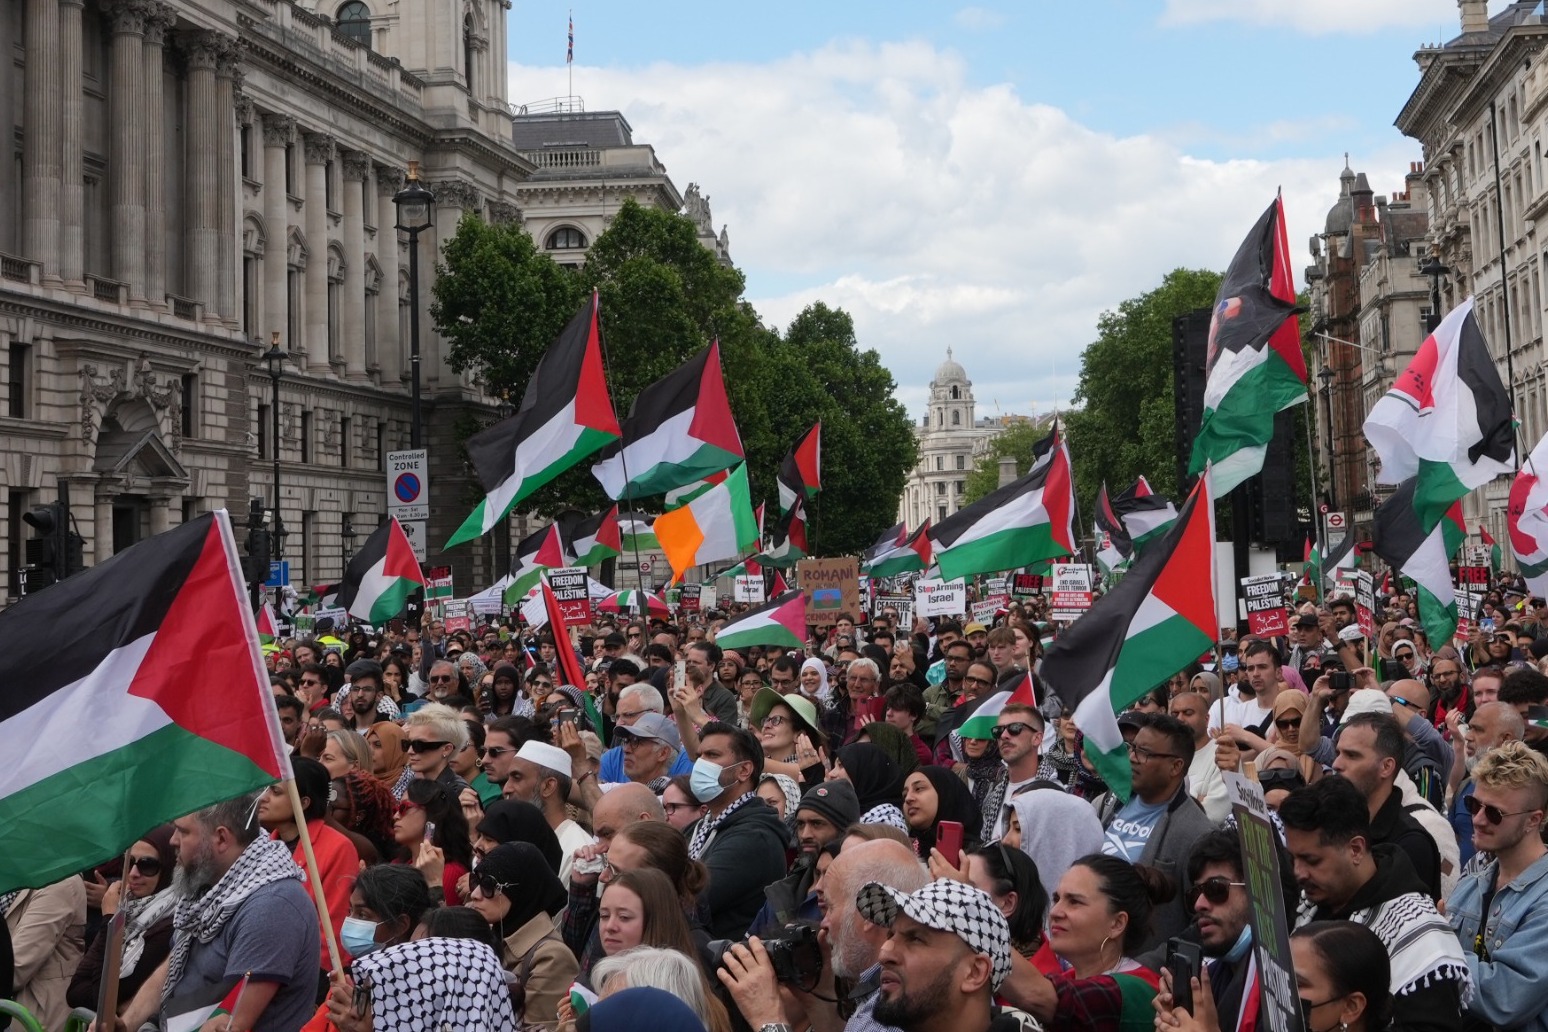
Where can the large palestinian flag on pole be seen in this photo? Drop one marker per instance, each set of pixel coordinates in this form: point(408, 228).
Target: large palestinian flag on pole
point(1446, 423)
point(787, 544)
point(1254, 367)
point(679, 430)
point(1146, 515)
point(381, 576)
point(108, 722)
point(890, 539)
point(780, 621)
point(565, 415)
point(800, 474)
point(718, 524)
point(909, 555)
point(980, 723)
point(1422, 554)
point(1023, 522)
point(535, 554)
point(1159, 618)
point(587, 542)
point(1527, 520)
point(637, 533)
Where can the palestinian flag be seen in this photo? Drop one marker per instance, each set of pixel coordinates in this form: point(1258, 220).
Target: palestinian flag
point(909, 555)
point(1146, 515)
point(788, 544)
point(779, 587)
point(679, 430)
point(588, 542)
point(800, 474)
point(565, 415)
point(1114, 547)
point(980, 723)
point(1153, 623)
point(894, 536)
point(381, 576)
point(1494, 548)
point(567, 668)
point(1527, 520)
point(637, 602)
point(268, 625)
point(535, 554)
point(1446, 422)
point(187, 1012)
point(1342, 556)
point(780, 621)
point(132, 642)
point(1311, 566)
point(321, 596)
point(636, 532)
point(1423, 555)
point(1254, 368)
point(681, 496)
point(745, 568)
point(716, 525)
point(1025, 521)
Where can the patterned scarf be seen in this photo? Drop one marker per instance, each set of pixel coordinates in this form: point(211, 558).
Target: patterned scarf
point(1419, 940)
point(888, 814)
point(400, 787)
point(139, 915)
point(6, 899)
point(704, 831)
point(264, 862)
point(442, 984)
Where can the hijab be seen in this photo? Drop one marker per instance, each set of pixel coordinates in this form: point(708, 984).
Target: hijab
point(894, 743)
point(394, 756)
point(1290, 702)
point(953, 802)
point(876, 778)
point(813, 663)
point(1211, 684)
point(529, 883)
point(1056, 830)
point(511, 820)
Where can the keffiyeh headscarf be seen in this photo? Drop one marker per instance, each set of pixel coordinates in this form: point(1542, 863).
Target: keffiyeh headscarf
point(450, 985)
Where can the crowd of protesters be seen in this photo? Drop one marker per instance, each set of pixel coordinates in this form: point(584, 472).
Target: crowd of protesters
point(699, 839)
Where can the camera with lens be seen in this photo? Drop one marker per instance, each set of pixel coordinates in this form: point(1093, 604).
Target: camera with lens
point(793, 950)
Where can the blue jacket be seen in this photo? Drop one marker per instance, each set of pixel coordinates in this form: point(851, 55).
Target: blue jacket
point(1508, 987)
point(612, 771)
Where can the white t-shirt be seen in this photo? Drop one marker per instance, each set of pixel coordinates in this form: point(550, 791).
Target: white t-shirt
point(1244, 713)
point(571, 837)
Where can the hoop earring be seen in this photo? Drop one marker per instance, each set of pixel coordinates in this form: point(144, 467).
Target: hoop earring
point(1103, 948)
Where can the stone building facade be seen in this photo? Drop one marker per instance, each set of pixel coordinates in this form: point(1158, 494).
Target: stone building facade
point(951, 441)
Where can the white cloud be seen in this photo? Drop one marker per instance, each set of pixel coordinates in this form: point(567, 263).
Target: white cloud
point(1324, 17)
point(875, 178)
point(979, 19)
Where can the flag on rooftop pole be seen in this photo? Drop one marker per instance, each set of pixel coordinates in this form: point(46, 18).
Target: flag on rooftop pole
point(910, 556)
point(565, 415)
point(131, 641)
point(534, 555)
point(590, 541)
point(717, 525)
point(780, 621)
point(1446, 423)
point(1155, 621)
point(1254, 367)
point(800, 474)
point(1527, 520)
point(679, 430)
point(1422, 554)
point(1494, 548)
point(381, 576)
point(1027, 520)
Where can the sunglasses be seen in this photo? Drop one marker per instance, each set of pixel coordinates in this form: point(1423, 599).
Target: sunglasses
point(414, 745)
point(441, 678)
point(405, 807)
point(494, 752)
point(1217, 890)
point(487, 885)
point(1491, 813)
point(1017, 728)
point(544, 685)
point(146, 865)
point(1289, 723)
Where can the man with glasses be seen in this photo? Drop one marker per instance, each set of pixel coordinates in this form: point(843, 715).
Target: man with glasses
point(651, 745)
point(312, 687)
point(1019, 732)
point(1500, 912)
point(362, 699)
point(501, 741)
point(1493, 724)
point(1160, 822)
point(857, 705)
point(1427, 757)
point(785, 676)
point(633, 703)
point(942, 695)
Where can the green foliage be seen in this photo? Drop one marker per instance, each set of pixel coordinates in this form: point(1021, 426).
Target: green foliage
point(1125, 424)
point(1015, 440)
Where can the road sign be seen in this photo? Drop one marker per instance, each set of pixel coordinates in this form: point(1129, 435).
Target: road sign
point(1337, 521)
point(645, 566)
point(416, 533)
point(408, 486)
point(279, 574)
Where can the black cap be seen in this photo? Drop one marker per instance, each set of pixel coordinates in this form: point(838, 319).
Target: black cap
point(365, 668)
point(1307, 620)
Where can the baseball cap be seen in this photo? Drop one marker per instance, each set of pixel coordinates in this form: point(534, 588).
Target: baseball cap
point(1306, 620)
point(947, 906)
point(550, 757)
point(974, 627)
point(655, 727)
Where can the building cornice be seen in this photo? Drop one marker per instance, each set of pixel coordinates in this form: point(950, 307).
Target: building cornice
point(64, 318)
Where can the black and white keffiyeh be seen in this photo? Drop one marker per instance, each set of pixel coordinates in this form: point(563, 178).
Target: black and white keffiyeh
point(264, 862)
point(947, 906)
point(139, 916)
point(704, 831)
point(888, 814)
point(449, 985)
point(1420, 942)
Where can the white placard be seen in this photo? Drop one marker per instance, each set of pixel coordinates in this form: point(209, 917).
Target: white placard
point(747, 589)
point(940, 598)
point(417, 536)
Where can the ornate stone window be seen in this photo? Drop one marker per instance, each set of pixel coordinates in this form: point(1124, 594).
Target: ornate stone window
point(354, 20)
point(566, 238)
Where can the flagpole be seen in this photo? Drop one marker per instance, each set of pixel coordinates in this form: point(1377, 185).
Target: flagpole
point(623, 459)
point(319, 899)
point(1311, 457)
point(1499, 221)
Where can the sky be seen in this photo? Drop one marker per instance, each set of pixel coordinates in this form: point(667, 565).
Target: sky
point(991, 178)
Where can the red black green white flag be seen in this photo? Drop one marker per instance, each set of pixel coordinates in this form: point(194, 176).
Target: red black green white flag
point(535, 554)
point(679, 430)
point(909, 555)
point(1422, 554)
point(1492, 545)
point(381, 576)
point(780, 621)
point(1527, 519)
point(1254, 367)
point(589, 541)
point(1026, 521)
point(130, 646)
point(1159, 618)
point(800, 474)
point(565, 415)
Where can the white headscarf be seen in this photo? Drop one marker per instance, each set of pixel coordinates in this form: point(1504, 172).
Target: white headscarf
point(1056, 830)
point(813, 663)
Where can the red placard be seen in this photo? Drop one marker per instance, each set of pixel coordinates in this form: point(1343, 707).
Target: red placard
point(1472, 575)
point(688, 598)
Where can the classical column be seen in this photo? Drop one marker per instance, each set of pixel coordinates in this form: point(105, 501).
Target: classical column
point(102, 531)
point(43, 121)
point(153, 54)
point(357, 172)
point(201, 183)
point(278, 132)
point(389, 344)
point(126, 174)
point(319, 151)
point(227, 74)
point(72, 188)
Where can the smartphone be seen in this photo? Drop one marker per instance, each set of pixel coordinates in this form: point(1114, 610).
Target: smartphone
point(1486, 624)
point(567, 716)
point(1184, 960)
point(430, 832)
point(1339, 680)
point(948, 839)
point(681, 675)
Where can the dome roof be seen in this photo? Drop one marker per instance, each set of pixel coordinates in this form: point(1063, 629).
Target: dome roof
point(1341, 215)
point(950, 370)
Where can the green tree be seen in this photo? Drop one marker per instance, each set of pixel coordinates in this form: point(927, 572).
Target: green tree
point(1127, 403)
point(1016, 441)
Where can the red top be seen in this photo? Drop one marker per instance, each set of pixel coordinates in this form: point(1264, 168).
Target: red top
point(337, 863)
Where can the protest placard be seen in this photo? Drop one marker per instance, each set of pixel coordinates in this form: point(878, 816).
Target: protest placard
point(459, 615)
point(903, 605)
point(1365, 603)
point(1280, 998)
point(1264, 599)
point(747, 589)
point(1072, 594)
point(983, 612)
point(688, 598)
point(572, 594)
point(832, 587)
point(940, 598)
point(1025, 585)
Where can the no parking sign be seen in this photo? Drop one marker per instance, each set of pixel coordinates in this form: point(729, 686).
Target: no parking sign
point(408, 485)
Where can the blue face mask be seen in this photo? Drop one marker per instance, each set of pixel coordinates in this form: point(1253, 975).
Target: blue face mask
point(704, 782)
point(358, 937)
point(1239, 948)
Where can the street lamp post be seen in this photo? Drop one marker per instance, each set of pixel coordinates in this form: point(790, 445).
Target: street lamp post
point(347, 531)
point(414, 202)
point(1325, 374)
point(1434, 268)
point(274, 358)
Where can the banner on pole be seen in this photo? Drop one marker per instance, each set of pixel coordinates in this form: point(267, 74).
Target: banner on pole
point(572, 593)
point(1264, 598)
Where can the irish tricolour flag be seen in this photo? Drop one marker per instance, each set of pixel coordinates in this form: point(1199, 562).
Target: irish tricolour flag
point(718, 524)
point(980, 724)
point(130, 645)
point(1023, 522)
point(780, 621)
point(381, 576)
point(1157, 620)
point(565, 415)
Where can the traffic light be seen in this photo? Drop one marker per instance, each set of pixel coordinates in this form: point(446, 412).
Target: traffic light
point(47, 553)
point(259, 545)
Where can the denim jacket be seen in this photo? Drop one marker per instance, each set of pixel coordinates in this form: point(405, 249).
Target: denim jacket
point(1508, 988)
